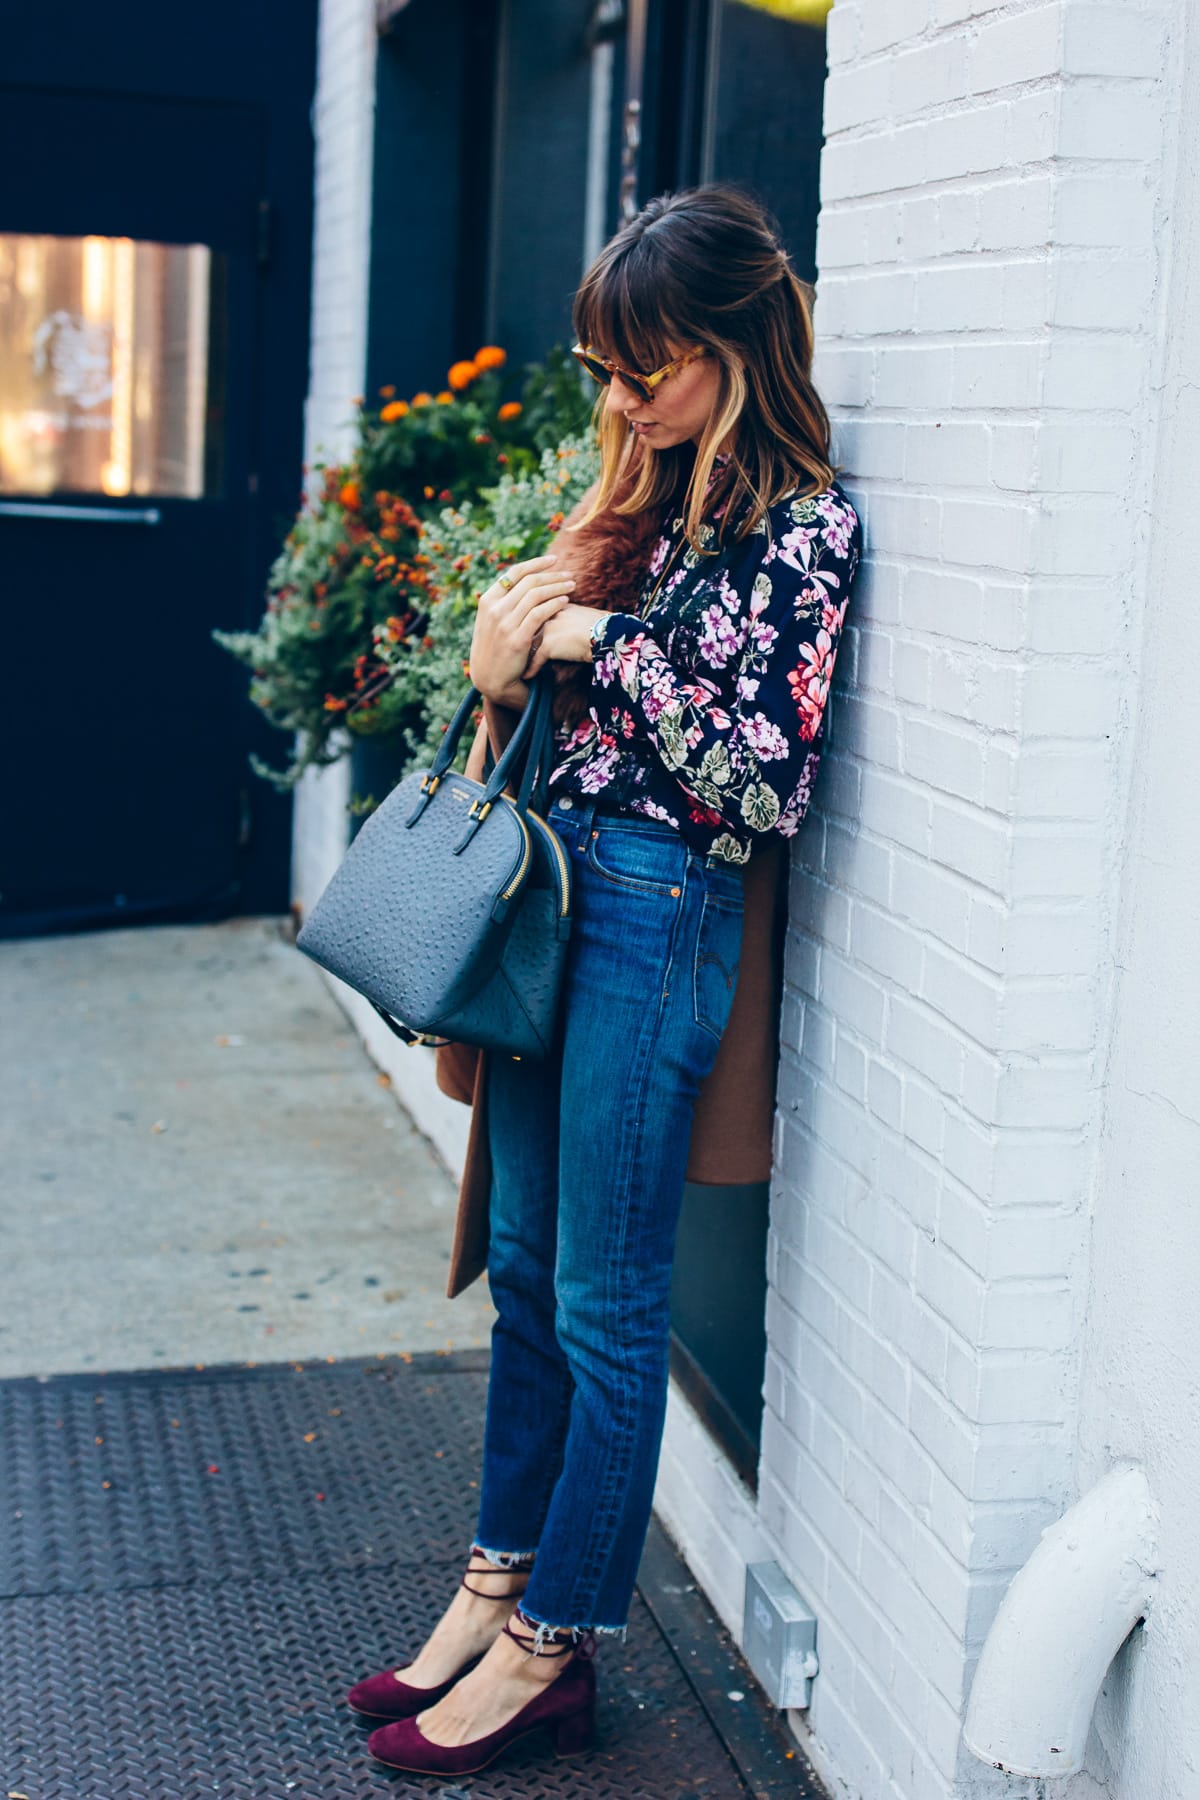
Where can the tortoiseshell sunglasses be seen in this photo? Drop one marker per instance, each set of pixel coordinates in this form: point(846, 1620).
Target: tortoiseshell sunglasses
point(643, 385)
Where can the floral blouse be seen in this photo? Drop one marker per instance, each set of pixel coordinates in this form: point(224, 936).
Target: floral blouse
point(707, 710)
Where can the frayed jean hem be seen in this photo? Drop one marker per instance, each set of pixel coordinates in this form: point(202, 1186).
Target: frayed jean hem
point(505, 1559)
point(544, 1631)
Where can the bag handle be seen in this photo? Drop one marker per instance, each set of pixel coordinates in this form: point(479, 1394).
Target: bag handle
point(531, 741)
point(538, 764)
point(526, 749)
point(535, 778)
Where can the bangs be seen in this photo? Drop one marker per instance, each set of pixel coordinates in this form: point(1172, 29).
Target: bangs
point(619, 313)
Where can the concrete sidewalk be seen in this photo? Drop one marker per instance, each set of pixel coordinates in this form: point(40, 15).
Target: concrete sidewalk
point(201, 1165)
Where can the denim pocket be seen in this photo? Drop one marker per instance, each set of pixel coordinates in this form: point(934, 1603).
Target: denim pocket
point(718, 953)
point(649, 862)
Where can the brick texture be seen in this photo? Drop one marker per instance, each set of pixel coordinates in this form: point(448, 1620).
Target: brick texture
point(343, 124)
point(987, 328)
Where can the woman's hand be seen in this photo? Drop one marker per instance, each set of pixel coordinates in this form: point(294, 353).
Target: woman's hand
point(508, 622)
point(566, 637)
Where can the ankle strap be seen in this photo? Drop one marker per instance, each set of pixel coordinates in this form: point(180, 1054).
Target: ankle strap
point(494, 1569)
point(557, 1643)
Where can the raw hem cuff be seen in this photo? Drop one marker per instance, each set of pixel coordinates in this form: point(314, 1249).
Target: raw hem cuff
point(505, 1559)
point(544, 1631)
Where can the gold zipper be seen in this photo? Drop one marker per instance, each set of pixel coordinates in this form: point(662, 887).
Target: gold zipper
point(519, 877)
point(559, 858)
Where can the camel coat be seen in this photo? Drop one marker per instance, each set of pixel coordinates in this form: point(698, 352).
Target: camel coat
point(732, 1124)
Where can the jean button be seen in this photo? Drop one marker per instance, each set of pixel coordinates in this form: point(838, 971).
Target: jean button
point(566, 803)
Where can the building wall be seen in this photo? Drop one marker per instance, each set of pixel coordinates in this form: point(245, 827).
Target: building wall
point(987, 999)
point(990, 309)
point(1141, 1378)
point(343, 122)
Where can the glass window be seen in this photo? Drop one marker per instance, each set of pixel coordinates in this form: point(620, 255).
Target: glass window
point(764, 112)
point(107, 376)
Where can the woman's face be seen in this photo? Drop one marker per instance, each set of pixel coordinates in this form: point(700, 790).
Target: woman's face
point(681, 407)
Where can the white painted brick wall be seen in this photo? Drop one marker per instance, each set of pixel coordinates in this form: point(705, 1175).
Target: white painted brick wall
point(988, 318)
point(989, 315)
point(343, 123)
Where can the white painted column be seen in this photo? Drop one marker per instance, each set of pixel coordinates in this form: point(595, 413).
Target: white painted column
point(343, 123)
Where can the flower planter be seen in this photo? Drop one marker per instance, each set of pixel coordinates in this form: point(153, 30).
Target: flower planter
point(376, 765)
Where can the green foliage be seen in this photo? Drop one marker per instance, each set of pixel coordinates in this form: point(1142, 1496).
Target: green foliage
point(442, 449)
point(312, 658)
point(354, 583)
point(468, 547)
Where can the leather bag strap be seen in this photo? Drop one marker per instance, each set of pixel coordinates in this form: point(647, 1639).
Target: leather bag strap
point(404, 1034)
point(534, 731)
point(527, 748)
point(458, 724)
point(539, 753)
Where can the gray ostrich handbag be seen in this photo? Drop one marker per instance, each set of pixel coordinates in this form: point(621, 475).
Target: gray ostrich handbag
point(451, 909)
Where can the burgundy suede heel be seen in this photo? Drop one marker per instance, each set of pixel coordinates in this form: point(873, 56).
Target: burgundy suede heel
point(385, 1696)
point(566, 1707)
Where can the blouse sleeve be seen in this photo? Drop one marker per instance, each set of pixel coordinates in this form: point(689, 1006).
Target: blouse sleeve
point(739, 737)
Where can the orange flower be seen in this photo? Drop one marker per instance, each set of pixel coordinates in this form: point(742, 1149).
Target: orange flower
point(385, 393)
point(491, 357)
point(510, 410)
point(422, 399)
point(349, 496)
point(445, 398)
point(429, 493)
point(462, 374)
point(395, 409)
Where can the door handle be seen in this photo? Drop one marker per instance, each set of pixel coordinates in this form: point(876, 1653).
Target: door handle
point(100, 515)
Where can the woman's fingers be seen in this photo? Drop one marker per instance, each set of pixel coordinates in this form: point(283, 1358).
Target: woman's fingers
point(537, 594)
point(511, 578)
point(540, 577)
point(521, 633)
point(508, 619)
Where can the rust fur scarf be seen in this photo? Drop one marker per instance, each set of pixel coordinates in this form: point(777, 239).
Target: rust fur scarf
point(608, 559)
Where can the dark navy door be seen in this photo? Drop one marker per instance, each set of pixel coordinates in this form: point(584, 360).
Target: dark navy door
point(136, 513)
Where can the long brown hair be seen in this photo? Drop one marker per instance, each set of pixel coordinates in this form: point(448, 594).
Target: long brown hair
point(705, 266)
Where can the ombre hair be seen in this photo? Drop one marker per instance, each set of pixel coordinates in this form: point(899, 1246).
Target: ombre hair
point(705, 266)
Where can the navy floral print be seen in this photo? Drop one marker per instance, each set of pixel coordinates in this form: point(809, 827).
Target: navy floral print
point(707, 708)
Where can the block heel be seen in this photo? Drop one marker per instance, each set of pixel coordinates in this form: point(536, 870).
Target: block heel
point(565, 1707)
point(577, 1731)
point(389, 1696)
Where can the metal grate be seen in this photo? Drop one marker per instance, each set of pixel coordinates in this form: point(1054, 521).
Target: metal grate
point(195, 1566)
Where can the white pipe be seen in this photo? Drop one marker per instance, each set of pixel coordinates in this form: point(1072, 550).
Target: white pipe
point(1063, 1619)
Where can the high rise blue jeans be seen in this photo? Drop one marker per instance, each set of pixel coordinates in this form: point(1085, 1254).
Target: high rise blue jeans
point(589, 1153)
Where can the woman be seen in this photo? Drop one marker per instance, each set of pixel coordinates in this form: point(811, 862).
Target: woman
point(689, 730)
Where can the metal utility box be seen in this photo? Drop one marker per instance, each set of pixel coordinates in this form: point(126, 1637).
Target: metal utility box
point(779, 1635)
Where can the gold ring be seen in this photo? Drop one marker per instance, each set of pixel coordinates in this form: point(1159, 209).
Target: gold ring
point(505, 582)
